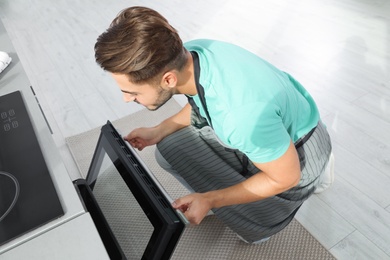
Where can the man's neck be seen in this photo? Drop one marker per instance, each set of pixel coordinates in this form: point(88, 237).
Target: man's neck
point(186, 80)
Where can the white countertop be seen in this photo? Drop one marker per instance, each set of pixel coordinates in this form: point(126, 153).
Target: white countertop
point(76, 239)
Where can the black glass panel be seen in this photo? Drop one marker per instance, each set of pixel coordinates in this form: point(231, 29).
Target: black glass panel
point(28, 198)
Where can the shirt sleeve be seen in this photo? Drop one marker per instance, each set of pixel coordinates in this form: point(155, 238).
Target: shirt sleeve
point(257, 130)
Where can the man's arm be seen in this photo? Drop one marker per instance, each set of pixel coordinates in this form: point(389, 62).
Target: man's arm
point(141, 137)
point(175, 122)
point(275, 177)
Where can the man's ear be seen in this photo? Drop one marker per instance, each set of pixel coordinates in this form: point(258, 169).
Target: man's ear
point(169, 80)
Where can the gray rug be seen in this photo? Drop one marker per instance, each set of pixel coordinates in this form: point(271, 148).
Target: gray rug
point(211, 239)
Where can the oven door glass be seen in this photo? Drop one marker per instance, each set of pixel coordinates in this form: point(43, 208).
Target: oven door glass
point(125, 216)
point(134, 205)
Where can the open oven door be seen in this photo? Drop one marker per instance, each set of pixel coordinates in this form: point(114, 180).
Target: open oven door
point(131, 210)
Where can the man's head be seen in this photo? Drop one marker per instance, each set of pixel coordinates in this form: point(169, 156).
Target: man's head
point(141, 44)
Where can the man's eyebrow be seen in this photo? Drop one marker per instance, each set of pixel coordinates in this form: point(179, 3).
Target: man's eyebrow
point(129, 92)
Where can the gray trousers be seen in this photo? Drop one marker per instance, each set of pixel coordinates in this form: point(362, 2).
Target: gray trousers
point(199, 161)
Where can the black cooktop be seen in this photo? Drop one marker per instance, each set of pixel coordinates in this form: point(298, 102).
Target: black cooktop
point(28, 198)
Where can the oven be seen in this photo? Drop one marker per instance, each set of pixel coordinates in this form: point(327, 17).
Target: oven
point(129, 207)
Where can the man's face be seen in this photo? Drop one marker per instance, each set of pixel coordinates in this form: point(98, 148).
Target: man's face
point(151, 97)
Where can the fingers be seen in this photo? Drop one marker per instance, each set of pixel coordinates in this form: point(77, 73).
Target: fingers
point(141, 137)
point(134, 140)
point(191, 206)
point(184, 208)
point(135, 143)
point(130, 136)
point(181, 205)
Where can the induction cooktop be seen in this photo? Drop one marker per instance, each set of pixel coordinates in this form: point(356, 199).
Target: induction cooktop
point(28, 198)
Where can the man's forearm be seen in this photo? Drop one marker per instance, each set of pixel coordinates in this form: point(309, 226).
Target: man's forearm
point(256, 188)
point(277, 176)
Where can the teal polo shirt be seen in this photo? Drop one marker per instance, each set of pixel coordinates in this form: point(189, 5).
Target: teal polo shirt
point(253, 106)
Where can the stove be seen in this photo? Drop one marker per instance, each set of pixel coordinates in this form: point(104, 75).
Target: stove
point(28, 198)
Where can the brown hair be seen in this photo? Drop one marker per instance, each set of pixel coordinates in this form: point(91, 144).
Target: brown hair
point(141, 44)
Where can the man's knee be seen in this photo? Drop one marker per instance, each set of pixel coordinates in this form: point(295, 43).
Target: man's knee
point(161, 160)
point(168, 167)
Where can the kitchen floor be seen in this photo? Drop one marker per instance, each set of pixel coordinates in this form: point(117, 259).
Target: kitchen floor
point(338, 49)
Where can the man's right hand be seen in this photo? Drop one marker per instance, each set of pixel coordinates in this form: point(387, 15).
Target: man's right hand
point(141, 137)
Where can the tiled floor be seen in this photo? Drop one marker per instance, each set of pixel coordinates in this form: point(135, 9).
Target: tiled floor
point(338, 49)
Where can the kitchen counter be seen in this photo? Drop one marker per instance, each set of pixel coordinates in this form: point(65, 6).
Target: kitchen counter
point(73, 234)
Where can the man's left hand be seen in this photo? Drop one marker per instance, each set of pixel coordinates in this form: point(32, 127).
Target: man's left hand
point(195, 207)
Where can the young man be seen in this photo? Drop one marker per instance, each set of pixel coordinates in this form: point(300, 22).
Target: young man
point(250, 146)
